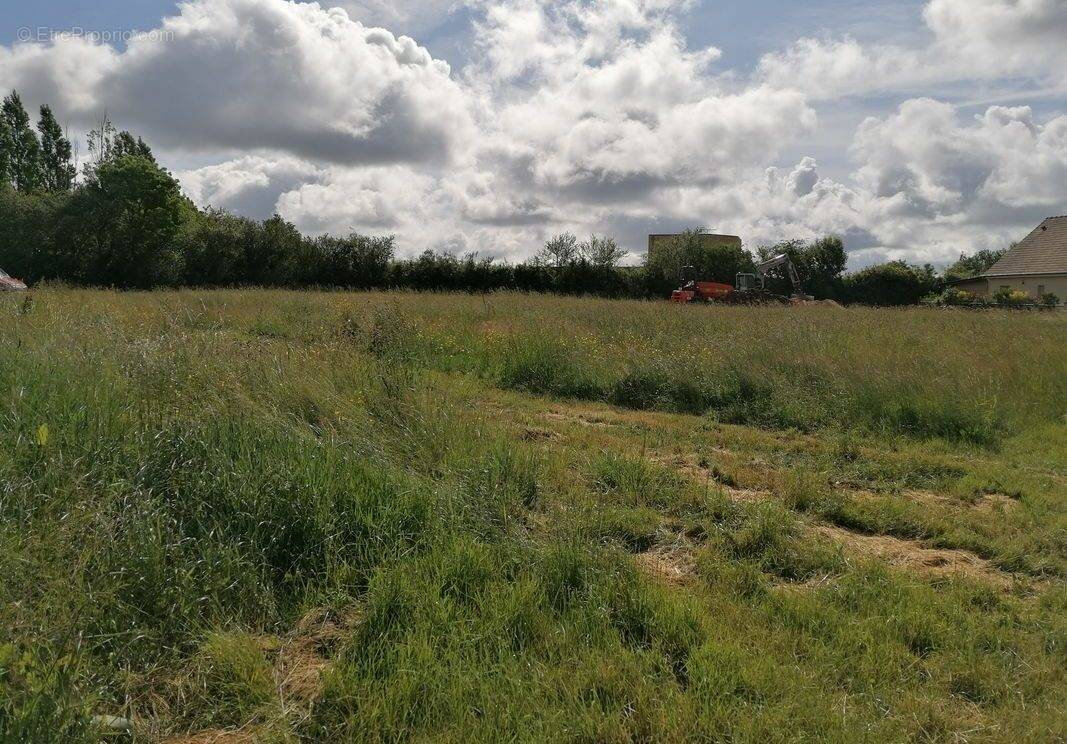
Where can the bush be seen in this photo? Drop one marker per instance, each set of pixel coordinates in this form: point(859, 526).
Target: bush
point(956, 296)
point(121, 228)
point(712, 261)
point(1011, 297)
point(894, 283)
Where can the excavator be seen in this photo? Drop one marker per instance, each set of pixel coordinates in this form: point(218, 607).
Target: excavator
point(747, 289)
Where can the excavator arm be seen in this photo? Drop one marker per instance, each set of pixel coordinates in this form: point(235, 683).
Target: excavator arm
point(782, 260)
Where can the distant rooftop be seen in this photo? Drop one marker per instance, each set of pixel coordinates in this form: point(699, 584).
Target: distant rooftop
point(1044, 251)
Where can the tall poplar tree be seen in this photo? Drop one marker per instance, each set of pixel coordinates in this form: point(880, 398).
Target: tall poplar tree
point(57, 163)
point(23, 149)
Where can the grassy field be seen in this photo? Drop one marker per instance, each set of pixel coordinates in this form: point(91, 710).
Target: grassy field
point(268, 516)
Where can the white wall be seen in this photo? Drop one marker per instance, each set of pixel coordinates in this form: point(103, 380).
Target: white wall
point(1057, 285)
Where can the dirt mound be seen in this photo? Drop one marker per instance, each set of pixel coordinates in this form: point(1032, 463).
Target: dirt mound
point(912, 556)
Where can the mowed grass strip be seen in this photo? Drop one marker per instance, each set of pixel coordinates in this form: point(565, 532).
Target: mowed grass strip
point(192, 482)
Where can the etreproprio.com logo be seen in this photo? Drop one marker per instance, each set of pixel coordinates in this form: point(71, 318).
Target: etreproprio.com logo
point(43, 34)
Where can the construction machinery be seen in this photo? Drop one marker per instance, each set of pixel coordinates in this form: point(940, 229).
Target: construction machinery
point(747, 289)
point(9, 283)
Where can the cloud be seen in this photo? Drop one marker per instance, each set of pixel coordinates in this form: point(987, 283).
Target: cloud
point(65, 73)
point(969, 40)
point(576, 115)
point(413, 16)
point(604, 102)
point(249, 185)
point(934, 165)
point(261, 74)
point(1003, 36)
point(371, 200)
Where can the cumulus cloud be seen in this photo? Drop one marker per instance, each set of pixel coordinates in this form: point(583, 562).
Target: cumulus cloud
point(269, 74)
point(66, 73)
point(925, 162)
point(604, 103)
point(575, 115)
point(969, 40)
point(363, 200)
point(1003, 36)
point(249, 185)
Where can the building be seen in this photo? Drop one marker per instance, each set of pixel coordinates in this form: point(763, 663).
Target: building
point(655, 241)
point(1037, 265)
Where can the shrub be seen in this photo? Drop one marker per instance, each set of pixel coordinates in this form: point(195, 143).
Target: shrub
point(1011, 297)
point(894, 283)
point(956, 296)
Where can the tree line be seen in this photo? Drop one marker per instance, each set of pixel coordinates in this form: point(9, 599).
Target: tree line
point(125, 223)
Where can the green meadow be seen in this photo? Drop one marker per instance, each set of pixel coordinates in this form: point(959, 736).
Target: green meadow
point(269, 516)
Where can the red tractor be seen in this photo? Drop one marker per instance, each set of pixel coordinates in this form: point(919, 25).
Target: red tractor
point(748, 289)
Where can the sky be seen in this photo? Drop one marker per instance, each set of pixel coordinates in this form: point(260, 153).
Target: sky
point(914, 129)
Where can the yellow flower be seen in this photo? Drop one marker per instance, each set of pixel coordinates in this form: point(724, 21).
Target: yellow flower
point(42, 435)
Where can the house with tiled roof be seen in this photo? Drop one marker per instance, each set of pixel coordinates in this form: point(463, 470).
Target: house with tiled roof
point(1037, 265)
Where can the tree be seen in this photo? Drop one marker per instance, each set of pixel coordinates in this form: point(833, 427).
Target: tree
point(355, 261)
point(819, 263)
point(125, 144)
point(107, 144)
point(276, 254)
point(5, 153)
point(212, 245)
point(893, 283)
point(100, 142)
point(122, 228)
point(560, 251)
point(602, 252)
point(23, 159)
point(973, 265)
point(57, 165)
point(712, 260)
point(27, 226)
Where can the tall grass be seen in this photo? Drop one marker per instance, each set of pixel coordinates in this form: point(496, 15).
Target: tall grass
point(917, 372)
point(184, 475)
